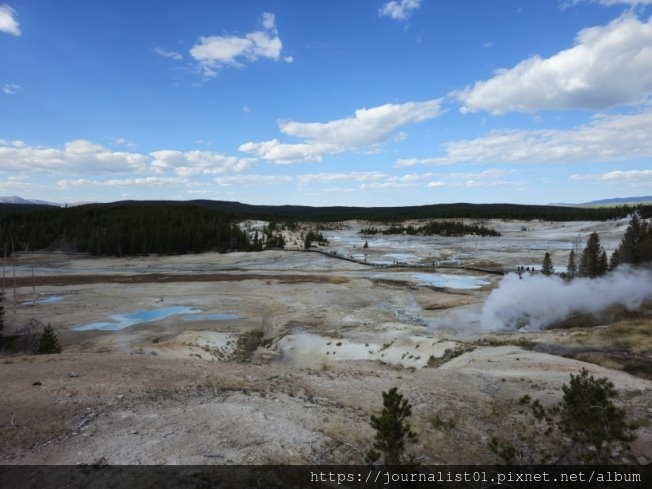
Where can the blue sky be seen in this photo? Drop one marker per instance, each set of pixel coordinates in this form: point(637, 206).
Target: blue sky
point(334, 102)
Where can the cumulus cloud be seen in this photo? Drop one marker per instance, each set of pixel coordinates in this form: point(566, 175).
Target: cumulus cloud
point(368, 127)
point(399, 10)
point(436, 183)
point(146, 181)
point(609, 65)
point(485, 179)
point(385, 185)
point(8, 22)
point(168, 54)
point(605, 138)
point(11, 88)
point(198, 162)
point(324, 177)
point(76, 156)
point(634, 178)
point(253, 180)
point(82, 156)
point(122, 182)
point(398, 181)
point(77, 182)
point(214, 52)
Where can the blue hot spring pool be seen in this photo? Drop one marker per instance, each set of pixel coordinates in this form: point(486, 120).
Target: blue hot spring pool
point(121, 321)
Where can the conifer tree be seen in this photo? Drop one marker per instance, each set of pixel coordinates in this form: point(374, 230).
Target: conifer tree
point(584, 427)
point(630, 246)
point(47, 342)
point(547, 269)
point(636, 245)
point(393, 431)
point(591, 421)
point(572, 265)
point(603, 263)
point(614, 261)
point(593, 262)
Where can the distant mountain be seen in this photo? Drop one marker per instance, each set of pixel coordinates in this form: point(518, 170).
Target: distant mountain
point(19, 200)
point(615, 201)
point(621, 200)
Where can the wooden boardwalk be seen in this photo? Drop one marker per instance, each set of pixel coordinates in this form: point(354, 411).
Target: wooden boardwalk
point(398, 264)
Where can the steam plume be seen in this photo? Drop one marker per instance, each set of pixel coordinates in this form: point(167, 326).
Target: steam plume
point(536, 301)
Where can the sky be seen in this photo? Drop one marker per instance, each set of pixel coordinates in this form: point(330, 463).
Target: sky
point(339, 102)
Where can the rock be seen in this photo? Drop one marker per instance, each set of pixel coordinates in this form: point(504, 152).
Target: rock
point(72, 374)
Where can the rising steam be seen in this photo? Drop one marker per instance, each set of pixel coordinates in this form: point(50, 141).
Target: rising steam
point(536, 301)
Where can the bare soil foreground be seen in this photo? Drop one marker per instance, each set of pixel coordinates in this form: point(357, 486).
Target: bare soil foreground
point(281, 357)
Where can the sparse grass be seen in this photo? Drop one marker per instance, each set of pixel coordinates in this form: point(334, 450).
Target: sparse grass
point(357, 434)
point(624, 345)
point(439, 422)
point(248, 343)
point(506, 341)
point(449, 354)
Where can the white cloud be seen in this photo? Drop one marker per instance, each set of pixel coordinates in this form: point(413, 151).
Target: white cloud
point(399, 181)
point(269, 21)
point(436, 184)
point(487, 179)
point(86, 157)
point(77, 182)
point(198, 162)
point(606, 138)
point(11, 88)
point(168, 54)
point(366, 128)
point(337, 190)
point(147, 181)
point(399, 10)
point(10, 184)
point(253, 180)
point(214, 52)
point(76, 156)
point(609, 65)
point(120, 141)
point(634, 178)
point(122, 182)
point(8, 22)
point(316, 178)
point(385, 185)
point(410, 178)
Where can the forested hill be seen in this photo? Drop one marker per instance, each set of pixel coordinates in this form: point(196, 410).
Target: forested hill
point(165, 227)
point(436, 211)
point(120, 230)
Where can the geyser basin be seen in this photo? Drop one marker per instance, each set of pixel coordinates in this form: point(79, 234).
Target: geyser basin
point(449, 281)
point(121, 321)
